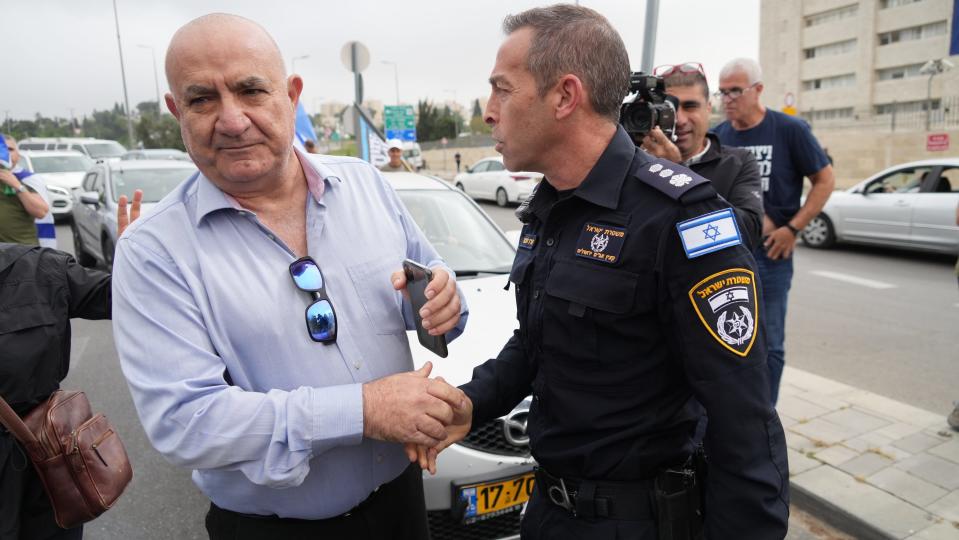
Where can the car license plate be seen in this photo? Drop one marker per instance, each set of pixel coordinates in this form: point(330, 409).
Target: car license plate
point(484, 500)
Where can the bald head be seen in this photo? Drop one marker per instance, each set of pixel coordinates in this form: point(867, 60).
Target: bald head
point(221, 30)
point(234, 102)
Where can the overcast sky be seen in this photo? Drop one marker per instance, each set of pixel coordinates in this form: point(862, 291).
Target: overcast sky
point(62, 54)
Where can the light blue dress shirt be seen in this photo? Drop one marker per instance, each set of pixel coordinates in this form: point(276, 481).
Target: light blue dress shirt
point(202, 295)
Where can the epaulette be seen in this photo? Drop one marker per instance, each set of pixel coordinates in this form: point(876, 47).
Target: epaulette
point(675, 181)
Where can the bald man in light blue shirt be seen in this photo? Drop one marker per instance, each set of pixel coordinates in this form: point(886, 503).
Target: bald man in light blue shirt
point(209, 322)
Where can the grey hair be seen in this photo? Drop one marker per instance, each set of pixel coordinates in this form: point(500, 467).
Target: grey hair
point(750, 67)
point(577, 40)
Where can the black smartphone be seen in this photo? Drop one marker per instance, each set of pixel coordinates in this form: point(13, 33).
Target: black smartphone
point(417, 277)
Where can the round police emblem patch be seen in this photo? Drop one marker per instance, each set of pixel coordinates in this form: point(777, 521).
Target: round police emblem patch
point(726, 303)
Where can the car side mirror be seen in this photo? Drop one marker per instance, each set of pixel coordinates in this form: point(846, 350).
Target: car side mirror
point(469, 169)
point(90, 197)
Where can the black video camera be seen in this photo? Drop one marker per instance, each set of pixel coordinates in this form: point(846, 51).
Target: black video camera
point(648, 106)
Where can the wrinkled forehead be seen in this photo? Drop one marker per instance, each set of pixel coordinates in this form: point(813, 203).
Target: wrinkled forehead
point(228, 52)
point(736, 78)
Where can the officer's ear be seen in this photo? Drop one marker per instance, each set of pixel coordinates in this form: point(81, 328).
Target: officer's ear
point(568, 94)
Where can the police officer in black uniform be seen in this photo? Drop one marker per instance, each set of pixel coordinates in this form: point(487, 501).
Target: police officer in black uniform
point(637, 302)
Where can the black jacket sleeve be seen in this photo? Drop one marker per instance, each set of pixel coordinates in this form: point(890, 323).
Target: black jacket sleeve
point(746, 196)
point(89, 289)
point(711, 305)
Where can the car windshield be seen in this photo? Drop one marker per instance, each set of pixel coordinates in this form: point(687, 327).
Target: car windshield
point(59, 164)
point(463, 236)
point(155, 183)
point(105, 150)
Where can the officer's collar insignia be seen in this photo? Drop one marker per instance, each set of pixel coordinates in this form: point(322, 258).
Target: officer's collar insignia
point(709, 232)
point(528, 241)
point(726, 303)
point(600, 243)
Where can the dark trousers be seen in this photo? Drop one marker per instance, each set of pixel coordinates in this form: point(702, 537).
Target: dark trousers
point(546, 521)
point(396, 510)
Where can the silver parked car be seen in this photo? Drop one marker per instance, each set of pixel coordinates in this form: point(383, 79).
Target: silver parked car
point(63, 170)
point(909, 206)
point(482, 482)
point(489, 179)
point(95, 205)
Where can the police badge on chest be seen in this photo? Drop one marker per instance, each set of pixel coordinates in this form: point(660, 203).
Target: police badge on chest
point(600, 242)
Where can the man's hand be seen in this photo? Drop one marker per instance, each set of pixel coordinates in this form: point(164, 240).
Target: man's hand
point(456, 431)
point(410, 408)
point(7, 178)
point(658, 144)
point(124, 219)
point(442, 310)
point(780, 243)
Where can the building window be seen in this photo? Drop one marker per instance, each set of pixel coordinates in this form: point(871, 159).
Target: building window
point(899, 72)
point(828, 114)
point(830, 49)
point(906, 107)
point(832, 15)
point(823, 83)
point(886, 4)
point(913, 33)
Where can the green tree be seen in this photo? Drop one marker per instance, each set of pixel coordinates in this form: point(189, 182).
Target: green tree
point(477, 123)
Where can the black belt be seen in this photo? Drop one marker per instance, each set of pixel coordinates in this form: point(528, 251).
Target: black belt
point(634, 500)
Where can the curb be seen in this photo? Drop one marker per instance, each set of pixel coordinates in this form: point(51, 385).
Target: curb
point(838, 518)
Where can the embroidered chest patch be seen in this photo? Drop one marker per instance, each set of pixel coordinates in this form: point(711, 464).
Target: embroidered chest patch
point(600, 242)
point(527, 241)
point(726, 303)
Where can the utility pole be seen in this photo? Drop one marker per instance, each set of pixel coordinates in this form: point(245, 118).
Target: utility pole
point(649, 35)
point(123, 77)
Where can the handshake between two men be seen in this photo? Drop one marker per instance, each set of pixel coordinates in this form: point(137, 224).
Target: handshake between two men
point(426, 415)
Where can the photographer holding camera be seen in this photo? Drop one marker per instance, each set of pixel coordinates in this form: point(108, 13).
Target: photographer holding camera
point(733, 171)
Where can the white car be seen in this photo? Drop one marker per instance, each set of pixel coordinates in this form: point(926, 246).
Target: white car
point(62, 170)
point(489, 179)
point(909, 206)
point(482, 482)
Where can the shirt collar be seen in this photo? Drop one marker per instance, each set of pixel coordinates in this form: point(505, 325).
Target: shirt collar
point(605, 181)
point(698, 157)
point(602, 184)
point(211, 199)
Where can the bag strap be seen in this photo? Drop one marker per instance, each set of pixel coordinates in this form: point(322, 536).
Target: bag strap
point(12, 421)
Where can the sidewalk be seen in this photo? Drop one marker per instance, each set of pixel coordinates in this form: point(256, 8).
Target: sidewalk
point(869, 465)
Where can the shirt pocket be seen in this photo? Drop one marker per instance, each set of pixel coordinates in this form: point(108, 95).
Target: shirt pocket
point(588, 311)
point(382, 304)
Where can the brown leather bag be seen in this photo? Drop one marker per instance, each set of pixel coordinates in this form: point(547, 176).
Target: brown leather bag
point(77, 454)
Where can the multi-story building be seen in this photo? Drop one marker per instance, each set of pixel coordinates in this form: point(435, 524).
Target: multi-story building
point(847, 60)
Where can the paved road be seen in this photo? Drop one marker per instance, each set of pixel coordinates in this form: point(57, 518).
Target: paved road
point(878, 319)
point(162, 502)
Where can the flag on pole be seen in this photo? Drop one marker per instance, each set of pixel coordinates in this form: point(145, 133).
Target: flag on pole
point(304, 126)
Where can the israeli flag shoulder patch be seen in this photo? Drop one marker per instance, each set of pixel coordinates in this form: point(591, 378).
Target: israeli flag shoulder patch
point(710, 232)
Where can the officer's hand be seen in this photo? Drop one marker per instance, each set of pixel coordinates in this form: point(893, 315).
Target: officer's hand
point(442, 311)
point(457, 430)
point(410, 408)
point(780, 243)
point(658, 144)
point(124, 219)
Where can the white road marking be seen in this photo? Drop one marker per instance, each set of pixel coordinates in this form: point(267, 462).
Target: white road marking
point(872, 284)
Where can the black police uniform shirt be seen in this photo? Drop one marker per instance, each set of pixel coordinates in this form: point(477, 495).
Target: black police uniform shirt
point(637, 301)
point(40, 291)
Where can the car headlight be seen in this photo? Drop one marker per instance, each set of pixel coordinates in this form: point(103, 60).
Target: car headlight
point(58, 190)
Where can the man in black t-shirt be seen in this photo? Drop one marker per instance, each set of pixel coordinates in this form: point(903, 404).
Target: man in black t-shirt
point(787, 152)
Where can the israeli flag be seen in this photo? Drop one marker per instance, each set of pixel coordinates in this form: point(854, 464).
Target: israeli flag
point(304, 127)
point(710, 232)
point(4, 154)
